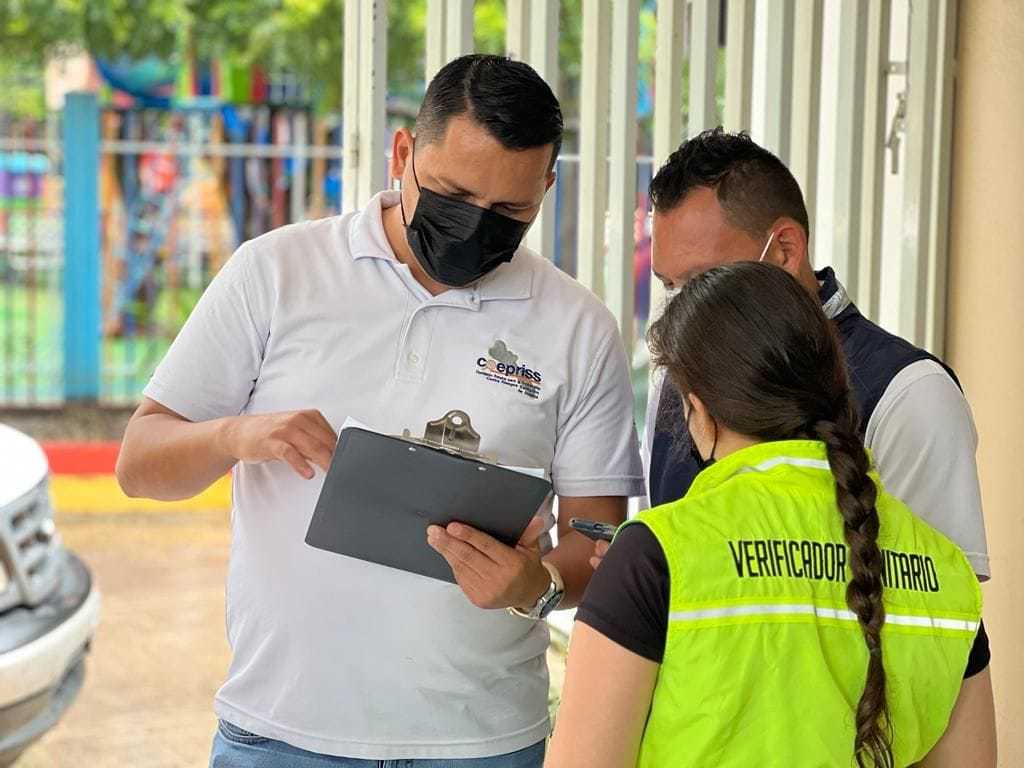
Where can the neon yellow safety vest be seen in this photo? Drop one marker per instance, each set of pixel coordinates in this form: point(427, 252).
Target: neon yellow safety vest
point(764, 662)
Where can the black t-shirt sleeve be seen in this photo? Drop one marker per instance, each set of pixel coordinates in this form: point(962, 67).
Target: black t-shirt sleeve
point(980, 653)
point(627, 599)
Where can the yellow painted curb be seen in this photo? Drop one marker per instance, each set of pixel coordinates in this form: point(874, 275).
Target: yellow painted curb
point(101, 493)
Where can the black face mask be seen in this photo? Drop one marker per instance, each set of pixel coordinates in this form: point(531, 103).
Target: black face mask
point(456, 242)
point(699, 460)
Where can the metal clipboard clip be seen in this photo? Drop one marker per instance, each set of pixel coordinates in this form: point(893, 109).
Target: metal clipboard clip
point(453, 433)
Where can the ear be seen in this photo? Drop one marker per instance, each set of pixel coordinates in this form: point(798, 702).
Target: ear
point(702, 426)
point(401, 152)
point(550, 180)
point(698, 411)
point(789, 249)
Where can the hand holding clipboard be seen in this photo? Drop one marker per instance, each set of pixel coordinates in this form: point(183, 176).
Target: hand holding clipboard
point(381, 494)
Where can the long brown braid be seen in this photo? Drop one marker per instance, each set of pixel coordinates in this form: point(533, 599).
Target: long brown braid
point(757, 350)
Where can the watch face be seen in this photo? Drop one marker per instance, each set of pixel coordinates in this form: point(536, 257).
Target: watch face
point(551, 600)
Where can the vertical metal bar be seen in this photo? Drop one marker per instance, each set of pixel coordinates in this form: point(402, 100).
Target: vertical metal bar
point(517, 29)
point(81, 247)
point(373, 57)
point(917, 191)
point(703, 106)
point(317, 204)
point(668, 100)
point(9, 293)
point(942, 152)
point(436, 53)
point(194, 131)
point(622, 169)
point(779, 77)
point(33, 210)
point(876, 96)
point(668, 68)
point(300, 142)
point(739, 64)
point(280, 136)
point(459, 33)
point(803, 147)
point(846, 223)
point(54, 277)
point(544, 59)
point(593, 180)
point(350, 109)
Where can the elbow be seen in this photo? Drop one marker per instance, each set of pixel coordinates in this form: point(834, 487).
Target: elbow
point(124, 478)
point(126, 475)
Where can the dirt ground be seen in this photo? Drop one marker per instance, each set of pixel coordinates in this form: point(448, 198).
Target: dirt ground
point(160, 652)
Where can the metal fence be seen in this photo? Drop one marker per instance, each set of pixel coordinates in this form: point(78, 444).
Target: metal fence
point(92, 292)
point(174, 198)
point(178, 196)
point(31, 269)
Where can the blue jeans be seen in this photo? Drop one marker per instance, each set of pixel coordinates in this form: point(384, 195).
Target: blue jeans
point(234, 747)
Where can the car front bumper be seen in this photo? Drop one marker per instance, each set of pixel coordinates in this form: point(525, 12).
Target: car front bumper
point(42, 657)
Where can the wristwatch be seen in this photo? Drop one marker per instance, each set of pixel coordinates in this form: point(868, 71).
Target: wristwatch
point(547, 602)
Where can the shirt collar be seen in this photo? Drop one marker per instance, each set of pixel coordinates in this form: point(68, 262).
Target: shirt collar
point(366, 238)
point(833, 296)
point(510, 281)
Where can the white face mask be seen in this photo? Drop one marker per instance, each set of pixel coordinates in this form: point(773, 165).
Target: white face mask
point(764, 251)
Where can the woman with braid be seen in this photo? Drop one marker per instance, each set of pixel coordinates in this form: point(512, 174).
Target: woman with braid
point(787, 611)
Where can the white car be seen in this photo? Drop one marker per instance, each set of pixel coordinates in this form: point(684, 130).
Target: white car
point(49, 606)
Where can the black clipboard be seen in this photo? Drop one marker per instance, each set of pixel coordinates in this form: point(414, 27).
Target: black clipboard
point(381, 493)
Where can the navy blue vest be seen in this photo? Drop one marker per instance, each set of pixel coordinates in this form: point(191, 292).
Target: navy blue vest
point(873, 357)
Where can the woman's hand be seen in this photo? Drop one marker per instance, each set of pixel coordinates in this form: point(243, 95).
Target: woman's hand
point(600, 550)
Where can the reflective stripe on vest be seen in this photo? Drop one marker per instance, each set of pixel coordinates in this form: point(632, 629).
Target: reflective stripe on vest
point(764, 661)
point(823, 612)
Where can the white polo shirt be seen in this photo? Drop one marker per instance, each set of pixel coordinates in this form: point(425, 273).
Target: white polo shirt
point(342, 657)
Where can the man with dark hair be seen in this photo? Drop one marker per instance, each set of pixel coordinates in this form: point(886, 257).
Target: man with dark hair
point(422, 302)
point(505, 97)
point(722, 198)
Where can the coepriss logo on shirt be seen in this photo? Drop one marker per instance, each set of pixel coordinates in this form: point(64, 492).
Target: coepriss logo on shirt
point(502, 366)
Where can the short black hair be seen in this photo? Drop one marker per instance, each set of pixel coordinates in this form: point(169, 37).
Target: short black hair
point(753, 186)
point(508, 98)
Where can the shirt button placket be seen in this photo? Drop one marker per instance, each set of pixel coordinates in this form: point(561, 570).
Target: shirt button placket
point(412, 362)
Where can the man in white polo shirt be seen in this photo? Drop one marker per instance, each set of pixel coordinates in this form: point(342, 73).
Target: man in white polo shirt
point(393, 316)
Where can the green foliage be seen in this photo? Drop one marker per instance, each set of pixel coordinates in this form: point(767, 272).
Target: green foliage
point(32, 30)
point(136, 28)
point(304, 37)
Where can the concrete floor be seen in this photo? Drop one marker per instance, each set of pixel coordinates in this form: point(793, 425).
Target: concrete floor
point(160, 651)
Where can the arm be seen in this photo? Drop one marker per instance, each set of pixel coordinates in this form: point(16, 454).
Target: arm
point(605, 702)
point(572, 555)
point(970, 737)
point(188, 431)
point(924, 442)
point(165, 456)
